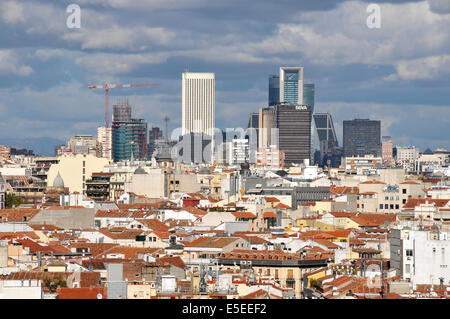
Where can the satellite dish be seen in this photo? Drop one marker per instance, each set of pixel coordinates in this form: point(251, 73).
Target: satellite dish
point(99, 296)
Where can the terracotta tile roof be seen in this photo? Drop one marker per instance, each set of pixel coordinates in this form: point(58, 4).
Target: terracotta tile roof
point(17, 214)
point(271, 199)
point(196, 196)
point(175, 261)
point(179, 222)
point(343, 190)
point(81, 293)
point(10, 235)
point(281, 205)
point(195, 211)
point(253, 240)
point(342, 214)
point(379, 219)
point(154, 224)
point(267, 255)
point(340, 232)
point(413, 202)
point(326, 243)
point(131, 252)
point(213, 242)
point(123, 234)
point(94, 248)
point(363, 222)
point(373, 182)
point(45, 227)
point(243, 215)
point(258, 294)
point(270, 215)
point(35, 247)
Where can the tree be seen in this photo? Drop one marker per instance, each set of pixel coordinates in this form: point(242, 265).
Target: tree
point(12, 200)
point(315, 283)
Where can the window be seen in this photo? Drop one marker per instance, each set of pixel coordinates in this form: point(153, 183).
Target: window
point(404, 190)
point(407, 268)
point(386, 206)
point(397, 206)
point(409, 252)
point(381, 206)
point(404, 201)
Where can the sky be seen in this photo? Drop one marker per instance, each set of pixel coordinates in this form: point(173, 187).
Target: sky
point(398, 73)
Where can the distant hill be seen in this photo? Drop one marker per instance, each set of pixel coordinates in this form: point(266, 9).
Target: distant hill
point(44, 146)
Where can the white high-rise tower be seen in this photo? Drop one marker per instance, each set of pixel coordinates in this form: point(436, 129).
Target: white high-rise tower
point(198, 103)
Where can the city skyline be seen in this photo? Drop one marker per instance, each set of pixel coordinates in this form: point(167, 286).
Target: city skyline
point(229, 153)
point(46, 67)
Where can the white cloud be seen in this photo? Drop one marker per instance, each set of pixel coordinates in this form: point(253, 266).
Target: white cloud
point(47, 54)
point(423, 68)
point(440, 5)
point(11, 12)
point(10, 64)
point(115, 37)
point(112, 64)
point(150, 4)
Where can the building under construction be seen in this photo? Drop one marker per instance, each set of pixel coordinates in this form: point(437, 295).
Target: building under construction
point(129, 136)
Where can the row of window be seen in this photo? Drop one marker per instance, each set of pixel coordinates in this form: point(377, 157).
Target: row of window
point(389, 206)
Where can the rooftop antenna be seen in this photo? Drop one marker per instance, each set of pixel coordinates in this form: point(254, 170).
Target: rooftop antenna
point(166, 119)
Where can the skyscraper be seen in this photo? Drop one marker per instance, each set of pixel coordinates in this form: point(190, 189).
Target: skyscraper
point(198, 103)
point(274, 89)
point(309, 98)
point(294, 132)
point(362, 137)
point(267, 123)
point(325, 130)
point(291, 85)
point(129, 136)
point(309, 95)
point(154, 134)
point(329, 152)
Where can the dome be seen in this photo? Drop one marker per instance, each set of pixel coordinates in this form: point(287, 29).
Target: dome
point(58, 181)
point(140, 170)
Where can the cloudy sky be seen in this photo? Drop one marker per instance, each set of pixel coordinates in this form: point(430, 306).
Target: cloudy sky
point(399, 74)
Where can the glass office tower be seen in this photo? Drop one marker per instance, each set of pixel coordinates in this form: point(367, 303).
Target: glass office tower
point(274, 89)
point(291, 85)
point(362, 137)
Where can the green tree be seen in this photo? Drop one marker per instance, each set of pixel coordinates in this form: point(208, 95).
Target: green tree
point(12, 200)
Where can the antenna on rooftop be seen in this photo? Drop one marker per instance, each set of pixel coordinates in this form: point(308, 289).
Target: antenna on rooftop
point(166, 120)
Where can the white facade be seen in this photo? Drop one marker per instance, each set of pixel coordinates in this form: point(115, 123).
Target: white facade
point(76, 200)
point(407, 156)
point(20, 289)
point(198, 103)
point(422, 257)
point(239, 151)
point(104, 137)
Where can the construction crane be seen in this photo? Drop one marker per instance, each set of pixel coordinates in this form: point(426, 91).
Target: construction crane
point(107, 87)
